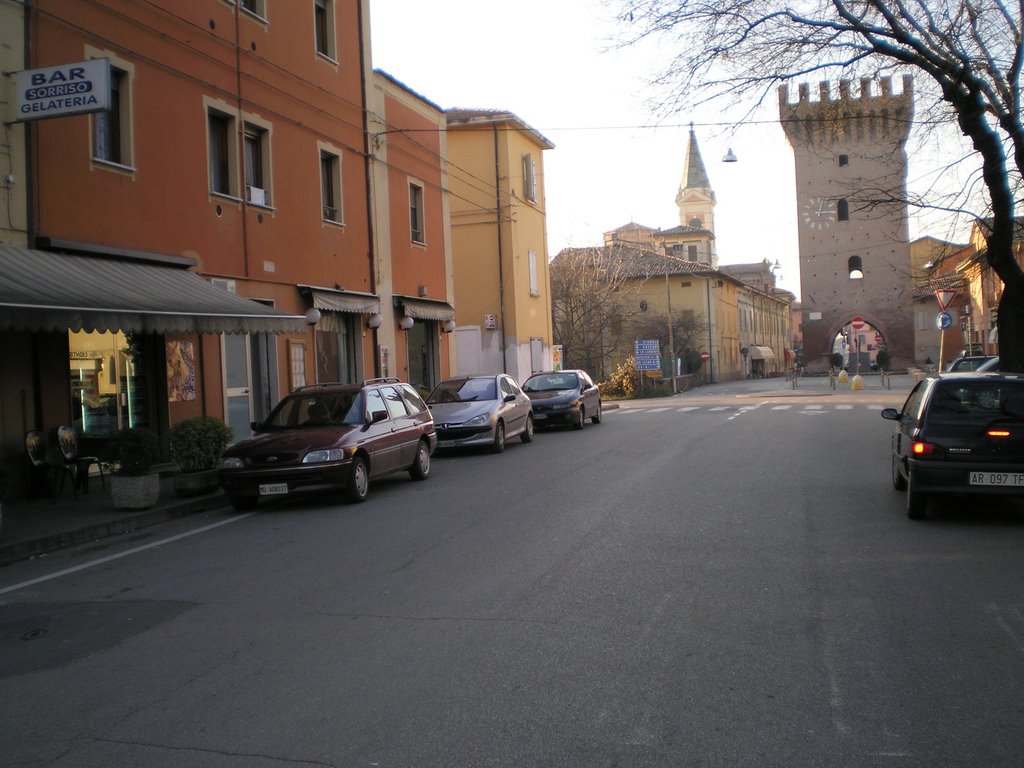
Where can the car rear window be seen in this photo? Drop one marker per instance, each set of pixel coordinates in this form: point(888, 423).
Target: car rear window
point(976, 401)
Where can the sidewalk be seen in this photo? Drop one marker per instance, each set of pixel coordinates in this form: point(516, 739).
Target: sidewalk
point(34, 527)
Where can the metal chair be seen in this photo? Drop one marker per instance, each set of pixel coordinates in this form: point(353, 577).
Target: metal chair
point(67, 441)
point(40, 467)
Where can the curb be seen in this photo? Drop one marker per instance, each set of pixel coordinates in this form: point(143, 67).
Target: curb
point(30, 548)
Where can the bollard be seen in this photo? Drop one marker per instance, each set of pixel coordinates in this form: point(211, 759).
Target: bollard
point(857, 382)
point(843, 377)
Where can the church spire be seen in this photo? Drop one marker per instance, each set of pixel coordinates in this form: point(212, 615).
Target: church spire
point(695, 175)
point(695, 199)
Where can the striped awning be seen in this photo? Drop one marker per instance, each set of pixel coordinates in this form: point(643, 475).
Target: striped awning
point(761, 353)
point(425, 309)
point(48, 291)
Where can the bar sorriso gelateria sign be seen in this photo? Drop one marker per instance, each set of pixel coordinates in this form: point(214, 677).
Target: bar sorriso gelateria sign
point(67, 89)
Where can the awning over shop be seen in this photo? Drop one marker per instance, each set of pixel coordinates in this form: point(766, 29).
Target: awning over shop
point(761, 353)
point(425, 309)
point(333, 300)
point(47, 291)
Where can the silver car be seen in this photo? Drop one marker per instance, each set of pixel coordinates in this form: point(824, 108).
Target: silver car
point(483, 409)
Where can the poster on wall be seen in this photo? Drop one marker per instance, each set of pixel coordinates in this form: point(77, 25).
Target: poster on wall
point(181, 371)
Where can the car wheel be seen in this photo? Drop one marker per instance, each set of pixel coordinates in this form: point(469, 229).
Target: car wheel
point(596, 418)
point(358, 481)
point(581, 417)
point(243, 503)
point(499, 437)
point(421, 465)
point(898, 481)
point(917, 502)
point(527, 434)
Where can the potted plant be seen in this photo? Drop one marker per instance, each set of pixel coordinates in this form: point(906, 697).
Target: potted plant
point(135, 485)
point(196, 446)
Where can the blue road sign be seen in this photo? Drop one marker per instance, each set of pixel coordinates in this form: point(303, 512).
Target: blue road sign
point(647, 355)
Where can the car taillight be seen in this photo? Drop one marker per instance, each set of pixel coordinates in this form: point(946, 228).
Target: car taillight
point(919, 448)
point(998, 432)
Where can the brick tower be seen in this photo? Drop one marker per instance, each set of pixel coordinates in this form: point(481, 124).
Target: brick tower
point(851, 171)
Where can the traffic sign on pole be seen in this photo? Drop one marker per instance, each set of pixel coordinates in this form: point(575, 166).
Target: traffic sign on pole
point(945, 297)
point(857, 323)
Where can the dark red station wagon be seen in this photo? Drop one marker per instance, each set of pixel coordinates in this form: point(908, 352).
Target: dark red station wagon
point(331, 437)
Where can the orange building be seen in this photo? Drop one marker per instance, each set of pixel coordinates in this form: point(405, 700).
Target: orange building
point(211, 239)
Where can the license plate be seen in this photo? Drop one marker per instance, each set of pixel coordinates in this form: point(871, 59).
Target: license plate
point(445, 443)
point(272, 489)
point(1012, 479)
point(539, 416)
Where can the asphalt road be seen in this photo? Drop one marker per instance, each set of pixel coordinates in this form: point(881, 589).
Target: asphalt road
point(721, 579)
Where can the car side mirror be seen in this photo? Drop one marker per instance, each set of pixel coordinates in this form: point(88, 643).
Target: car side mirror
point(890, 413)
point(510, 398)
point(377, 416)
point(256, 426)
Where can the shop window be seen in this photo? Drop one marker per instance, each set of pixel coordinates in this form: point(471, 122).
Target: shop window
point(108, 383)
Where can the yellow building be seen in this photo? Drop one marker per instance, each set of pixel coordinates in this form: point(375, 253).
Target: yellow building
point(702, 302)
point(499, 239)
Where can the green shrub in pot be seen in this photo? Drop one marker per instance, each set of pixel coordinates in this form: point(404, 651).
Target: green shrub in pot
point(197, 443)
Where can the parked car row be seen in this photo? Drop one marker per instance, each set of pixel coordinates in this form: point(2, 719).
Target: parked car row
point(339, 437)
point(959, 434)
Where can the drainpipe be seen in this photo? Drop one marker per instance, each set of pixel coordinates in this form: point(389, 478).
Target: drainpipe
point(240, 158)
point(501, 272)
point(368, 172)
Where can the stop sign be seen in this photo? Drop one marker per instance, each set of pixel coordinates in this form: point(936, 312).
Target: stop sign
point(857, 323)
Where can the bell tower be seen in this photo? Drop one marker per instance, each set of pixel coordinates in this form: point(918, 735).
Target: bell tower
point(851, 174)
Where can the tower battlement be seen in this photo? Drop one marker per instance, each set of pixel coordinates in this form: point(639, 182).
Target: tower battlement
point(866, 117)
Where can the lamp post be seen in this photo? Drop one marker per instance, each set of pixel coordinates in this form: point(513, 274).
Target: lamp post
point(671, 339)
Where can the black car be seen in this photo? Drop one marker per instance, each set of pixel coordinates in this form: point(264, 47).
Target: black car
point(959, 433)
point(563, 397)
point(331, 437)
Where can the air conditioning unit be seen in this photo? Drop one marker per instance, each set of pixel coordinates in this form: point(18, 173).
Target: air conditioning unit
point(256, 196)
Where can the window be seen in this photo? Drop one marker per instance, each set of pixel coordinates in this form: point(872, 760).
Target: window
point(297, 364)
point(843, 209)
point(844, 160)
point(255, 7)
point(111, 128)
point(323, 27)
point(529, 178)
point(416, 213)
point(330, 186)
point(257, 165)
point(691, 252)
point(221, 149)
point(534, 289)
point(855, 268)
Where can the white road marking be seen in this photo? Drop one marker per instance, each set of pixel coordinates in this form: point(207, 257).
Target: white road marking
point(118, 556)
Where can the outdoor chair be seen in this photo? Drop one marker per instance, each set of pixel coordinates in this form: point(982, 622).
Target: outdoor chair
point(41, 469)
point(74, 465)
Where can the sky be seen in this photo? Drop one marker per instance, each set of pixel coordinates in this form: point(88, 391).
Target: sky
point(553, 64)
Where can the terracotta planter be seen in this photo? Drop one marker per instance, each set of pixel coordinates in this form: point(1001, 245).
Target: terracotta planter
point(196, 483)
point(140, 492)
